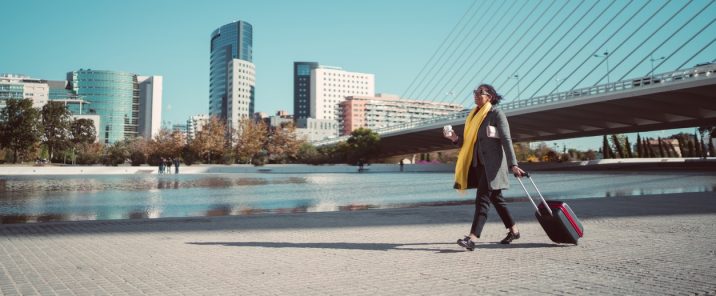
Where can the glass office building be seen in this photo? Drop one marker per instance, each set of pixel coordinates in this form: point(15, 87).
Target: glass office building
point(114, 96)
point(229, 42)
point(302, 88)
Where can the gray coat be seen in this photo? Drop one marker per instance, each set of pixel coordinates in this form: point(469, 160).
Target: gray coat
point(495, 152)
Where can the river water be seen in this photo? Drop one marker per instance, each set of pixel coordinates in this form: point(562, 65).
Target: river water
point(27, 199)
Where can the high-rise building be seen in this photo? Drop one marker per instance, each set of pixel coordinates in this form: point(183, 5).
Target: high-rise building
point(384, 110)
point(116, 97)
point(150, 105)
point(232, 73)
point(302, 89)
point(23, 87)
point(331, 85)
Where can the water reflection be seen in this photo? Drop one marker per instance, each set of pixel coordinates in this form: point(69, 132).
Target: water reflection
point(71, 198)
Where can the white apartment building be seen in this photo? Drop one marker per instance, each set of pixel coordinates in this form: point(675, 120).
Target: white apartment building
point(242, 84)
point(195, 124)
point(331, 85)
point(14, 86)
point(150, 105)
point(311, 129)
point(384, 110)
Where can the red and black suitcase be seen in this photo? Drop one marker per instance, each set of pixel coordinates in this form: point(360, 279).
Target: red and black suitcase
point(556, 217)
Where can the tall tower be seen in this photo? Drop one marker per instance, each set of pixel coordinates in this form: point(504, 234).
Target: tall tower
point(231, 73)
point(302, 89)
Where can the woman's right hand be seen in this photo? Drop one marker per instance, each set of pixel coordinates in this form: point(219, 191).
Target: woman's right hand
point(450, 135)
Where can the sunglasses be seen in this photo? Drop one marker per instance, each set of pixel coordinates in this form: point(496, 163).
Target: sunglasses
point(477, 92)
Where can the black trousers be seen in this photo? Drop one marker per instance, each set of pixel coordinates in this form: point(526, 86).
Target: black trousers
point(482, 205)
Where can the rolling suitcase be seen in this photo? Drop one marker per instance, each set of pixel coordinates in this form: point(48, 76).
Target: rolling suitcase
point(556, 217)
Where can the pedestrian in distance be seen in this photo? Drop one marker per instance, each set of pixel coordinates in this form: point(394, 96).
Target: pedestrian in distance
point(485, 156)
point(161, 166)
point(169, 165)
point(176, 166)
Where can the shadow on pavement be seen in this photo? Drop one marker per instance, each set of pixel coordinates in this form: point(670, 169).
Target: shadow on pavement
point(374, 246)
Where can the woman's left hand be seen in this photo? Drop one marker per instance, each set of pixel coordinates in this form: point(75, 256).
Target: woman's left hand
point(518, 172)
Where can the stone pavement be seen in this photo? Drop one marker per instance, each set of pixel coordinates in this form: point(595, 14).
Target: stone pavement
point(657, 245)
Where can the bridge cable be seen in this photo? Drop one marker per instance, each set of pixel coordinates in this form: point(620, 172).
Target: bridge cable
point(544, 40)
point(583, 16)
point(405, 94)
point(698, 52)
point(589, 57)
point(582, 33)
point(667, 40)
point(496, 24)
point(460, 57)
point(626, 39)
point(550, 50)
point(511, 48)
point(643, 42)
point(502, 45)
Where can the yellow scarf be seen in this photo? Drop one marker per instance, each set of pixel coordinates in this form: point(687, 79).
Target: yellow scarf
point(464, 158)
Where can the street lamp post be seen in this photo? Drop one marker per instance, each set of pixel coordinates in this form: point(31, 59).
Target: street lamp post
point(652, 59)
point(516, 76)
point(605, 55)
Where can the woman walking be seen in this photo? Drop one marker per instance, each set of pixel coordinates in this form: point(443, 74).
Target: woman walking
point(485, 156)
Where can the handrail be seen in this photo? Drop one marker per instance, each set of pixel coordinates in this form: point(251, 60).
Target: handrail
point(698, 72)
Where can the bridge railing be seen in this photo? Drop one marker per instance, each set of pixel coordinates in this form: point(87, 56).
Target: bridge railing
point(698, 72)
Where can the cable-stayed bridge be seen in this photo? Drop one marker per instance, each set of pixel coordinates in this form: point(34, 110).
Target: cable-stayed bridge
point(570, 69)
point(678, 99)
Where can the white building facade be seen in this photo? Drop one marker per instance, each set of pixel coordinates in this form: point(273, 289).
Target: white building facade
point(331, 85)
point(150, 105)
point(23, 87)
point(311, 129)
point(242, 82)
point(384, 110)
point(195, 124)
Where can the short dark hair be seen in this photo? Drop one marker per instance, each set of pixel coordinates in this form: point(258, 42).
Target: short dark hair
point(495, 97)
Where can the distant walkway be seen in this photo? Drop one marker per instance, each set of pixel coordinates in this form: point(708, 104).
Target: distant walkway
point(633, 246)
point(604, 164)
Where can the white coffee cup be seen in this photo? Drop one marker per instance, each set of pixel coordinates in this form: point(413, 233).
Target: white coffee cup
point(447, 130)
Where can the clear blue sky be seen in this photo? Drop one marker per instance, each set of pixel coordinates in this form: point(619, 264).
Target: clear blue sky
point(392, 39)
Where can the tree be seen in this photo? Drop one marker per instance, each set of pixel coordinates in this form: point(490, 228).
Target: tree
point(362, 144)
point(698, 151)
point(606, 150)
point(166, 144)
point(282, 143)
point(692, 149)
point(20, 128)
point(210, 141)
point(251, 140)
point(703, 132)
point(616, 141)
point(56, 121)
point(139, 150)
point(639, 146)
point(627, 147)
point(117, 153)
point(307, 153)
point(89, 153)
point(82, 133)
point(661, 148)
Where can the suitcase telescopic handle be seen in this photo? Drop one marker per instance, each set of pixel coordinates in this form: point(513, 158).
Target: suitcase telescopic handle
point(538, 192)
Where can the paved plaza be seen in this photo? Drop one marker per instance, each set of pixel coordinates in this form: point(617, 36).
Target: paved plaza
point(657, 245)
